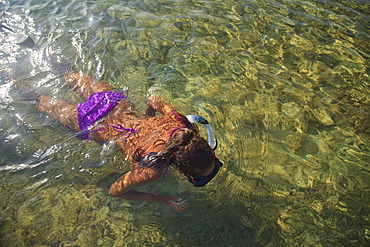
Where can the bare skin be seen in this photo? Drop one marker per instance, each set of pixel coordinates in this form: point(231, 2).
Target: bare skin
point(125, 186)
point(66, 113)
point(149, 129)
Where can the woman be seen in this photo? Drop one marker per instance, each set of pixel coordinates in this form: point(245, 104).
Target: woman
point(151, 143)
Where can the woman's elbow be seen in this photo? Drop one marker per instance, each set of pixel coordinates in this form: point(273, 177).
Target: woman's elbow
point(114, 192)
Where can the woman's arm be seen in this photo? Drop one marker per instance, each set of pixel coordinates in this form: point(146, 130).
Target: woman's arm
point(160, 106)
point(125, 186)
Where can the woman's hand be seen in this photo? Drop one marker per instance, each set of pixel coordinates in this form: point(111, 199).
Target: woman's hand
point(159, 105)
point(177, 204)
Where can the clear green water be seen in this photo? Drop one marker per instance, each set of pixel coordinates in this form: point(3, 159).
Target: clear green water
point(284, 83)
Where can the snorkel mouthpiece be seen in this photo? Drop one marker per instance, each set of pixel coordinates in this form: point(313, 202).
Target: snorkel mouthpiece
point(212, 141)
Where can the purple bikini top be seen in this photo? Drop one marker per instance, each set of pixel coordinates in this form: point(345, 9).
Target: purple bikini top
point(97, 106)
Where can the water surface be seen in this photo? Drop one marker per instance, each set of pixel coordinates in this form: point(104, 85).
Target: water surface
point(284, 83)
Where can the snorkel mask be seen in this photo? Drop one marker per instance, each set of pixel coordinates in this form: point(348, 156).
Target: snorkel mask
point(212, 142)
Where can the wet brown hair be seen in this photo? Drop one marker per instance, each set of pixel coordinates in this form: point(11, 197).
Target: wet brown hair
point(188, 151)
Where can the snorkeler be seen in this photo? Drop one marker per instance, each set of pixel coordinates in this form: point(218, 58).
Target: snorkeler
point(151, 143)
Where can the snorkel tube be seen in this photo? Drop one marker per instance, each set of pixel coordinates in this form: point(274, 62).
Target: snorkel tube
point(212, 141)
